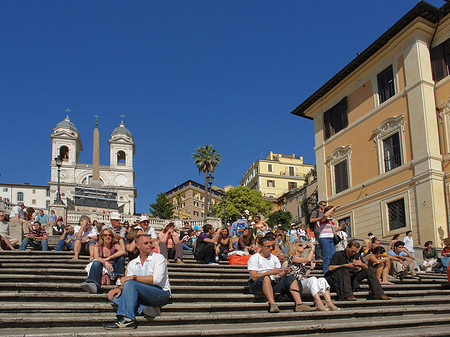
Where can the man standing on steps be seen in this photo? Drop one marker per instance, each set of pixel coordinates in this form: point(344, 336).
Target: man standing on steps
point(143, 290)
point(267, 277)
point(316, 215)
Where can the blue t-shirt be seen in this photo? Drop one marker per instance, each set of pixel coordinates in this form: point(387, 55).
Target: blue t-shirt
point(237, 228)
point(52, 218)
point(392, 253)
point(42, 218)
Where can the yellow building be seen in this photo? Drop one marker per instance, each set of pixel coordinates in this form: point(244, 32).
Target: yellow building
point(382, 131)
point(276, 174)
point(188, 199)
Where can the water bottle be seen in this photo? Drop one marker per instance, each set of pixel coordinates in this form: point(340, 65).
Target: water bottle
point(216, 258)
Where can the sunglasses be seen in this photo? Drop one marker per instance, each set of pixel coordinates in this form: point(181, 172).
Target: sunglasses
point(107, 235)
point(269, 246)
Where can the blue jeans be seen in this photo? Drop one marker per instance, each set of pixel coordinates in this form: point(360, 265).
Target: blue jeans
point(328, 250)
point(445, 260)
point(136, 296)
point(62, 244)
point(96, 271)
point(185, 246)
point(34, 244)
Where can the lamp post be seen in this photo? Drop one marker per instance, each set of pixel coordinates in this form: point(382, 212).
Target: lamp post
point(210, 181)
point(58, 162)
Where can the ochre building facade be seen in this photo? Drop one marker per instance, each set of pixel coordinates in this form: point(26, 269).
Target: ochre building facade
point(382, 131)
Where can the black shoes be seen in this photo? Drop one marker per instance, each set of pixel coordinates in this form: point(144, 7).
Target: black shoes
point(121, 324)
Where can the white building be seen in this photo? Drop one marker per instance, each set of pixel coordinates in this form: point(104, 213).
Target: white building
point(36, 196)
point(118, 177)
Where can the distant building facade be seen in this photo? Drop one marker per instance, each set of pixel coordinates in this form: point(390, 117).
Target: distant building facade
point(276, 174)
point(36, 196)
point(116, 180)
point(188, 199)
point(382, 131)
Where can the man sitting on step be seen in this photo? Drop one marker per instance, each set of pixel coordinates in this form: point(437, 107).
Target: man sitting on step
point(345, 272)
point(402, 261)
point(36, 238)
point(267, 277)
point(144, 289)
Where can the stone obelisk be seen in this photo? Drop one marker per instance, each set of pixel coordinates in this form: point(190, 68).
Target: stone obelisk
point(96, 157)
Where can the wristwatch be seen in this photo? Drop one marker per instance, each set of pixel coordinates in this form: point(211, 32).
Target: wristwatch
point(134, 278)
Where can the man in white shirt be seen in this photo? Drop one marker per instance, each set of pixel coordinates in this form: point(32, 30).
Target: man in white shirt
point(17, 212)
point(86, 237)
point(143, 290)
point(267, 277)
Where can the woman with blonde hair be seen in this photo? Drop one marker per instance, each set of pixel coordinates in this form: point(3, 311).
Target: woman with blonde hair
point(108, 264)
point(311, 285)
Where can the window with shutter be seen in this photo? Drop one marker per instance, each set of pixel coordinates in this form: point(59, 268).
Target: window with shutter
point(336, 119)
point(392, 152)
point(440, 59)
point(340, 176)
point(385, 81)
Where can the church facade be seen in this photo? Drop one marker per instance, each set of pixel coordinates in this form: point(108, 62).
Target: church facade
point(76, 179)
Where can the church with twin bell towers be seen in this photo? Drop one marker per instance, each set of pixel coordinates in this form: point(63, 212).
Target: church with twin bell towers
point(93, 187)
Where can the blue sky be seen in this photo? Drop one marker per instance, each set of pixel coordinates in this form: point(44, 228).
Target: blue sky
point(184, 73)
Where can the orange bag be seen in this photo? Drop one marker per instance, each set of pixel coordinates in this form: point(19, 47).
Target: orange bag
point(236, 259)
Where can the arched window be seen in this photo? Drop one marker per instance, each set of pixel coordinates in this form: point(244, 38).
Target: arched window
point(19, 196)
point(64, 152)
point(88, 180)
point(121, 158)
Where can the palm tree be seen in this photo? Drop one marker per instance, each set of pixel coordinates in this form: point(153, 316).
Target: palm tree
point(206, 160)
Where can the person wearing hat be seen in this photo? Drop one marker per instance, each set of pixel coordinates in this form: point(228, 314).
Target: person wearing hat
point(144, 222)
point(169, 243)
point(119, 231)
point(37, 237)
point(293, 234)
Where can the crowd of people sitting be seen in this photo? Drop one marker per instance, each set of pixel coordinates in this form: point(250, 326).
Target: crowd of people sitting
point(279, 260)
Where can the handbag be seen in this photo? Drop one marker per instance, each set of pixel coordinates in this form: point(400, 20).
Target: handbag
point(336, 239)
point(238, 260)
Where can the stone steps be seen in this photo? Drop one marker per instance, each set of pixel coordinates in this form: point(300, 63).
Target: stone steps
point(40, 296)
point(282, 324)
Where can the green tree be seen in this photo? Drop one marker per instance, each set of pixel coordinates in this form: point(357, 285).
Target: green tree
point(162, 208)
point(239, 199)
point(206, 160)
point(279, 217)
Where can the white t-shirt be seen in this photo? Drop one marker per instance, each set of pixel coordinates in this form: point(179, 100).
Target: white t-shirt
point(151, 231)
point(409, 243)
point(17, 210)
point(262, 265)
point(90, 232)
point(155, 265)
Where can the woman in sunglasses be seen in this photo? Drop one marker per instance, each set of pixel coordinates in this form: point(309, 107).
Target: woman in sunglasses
point(108, 265)
point(311, 285)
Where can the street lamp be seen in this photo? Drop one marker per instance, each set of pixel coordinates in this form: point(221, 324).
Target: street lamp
point(58, 162)
point(210, 181)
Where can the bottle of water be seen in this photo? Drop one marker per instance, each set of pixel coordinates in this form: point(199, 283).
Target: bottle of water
point(216, 258)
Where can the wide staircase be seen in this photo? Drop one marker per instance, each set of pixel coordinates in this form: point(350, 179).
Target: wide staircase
point(40, 296)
